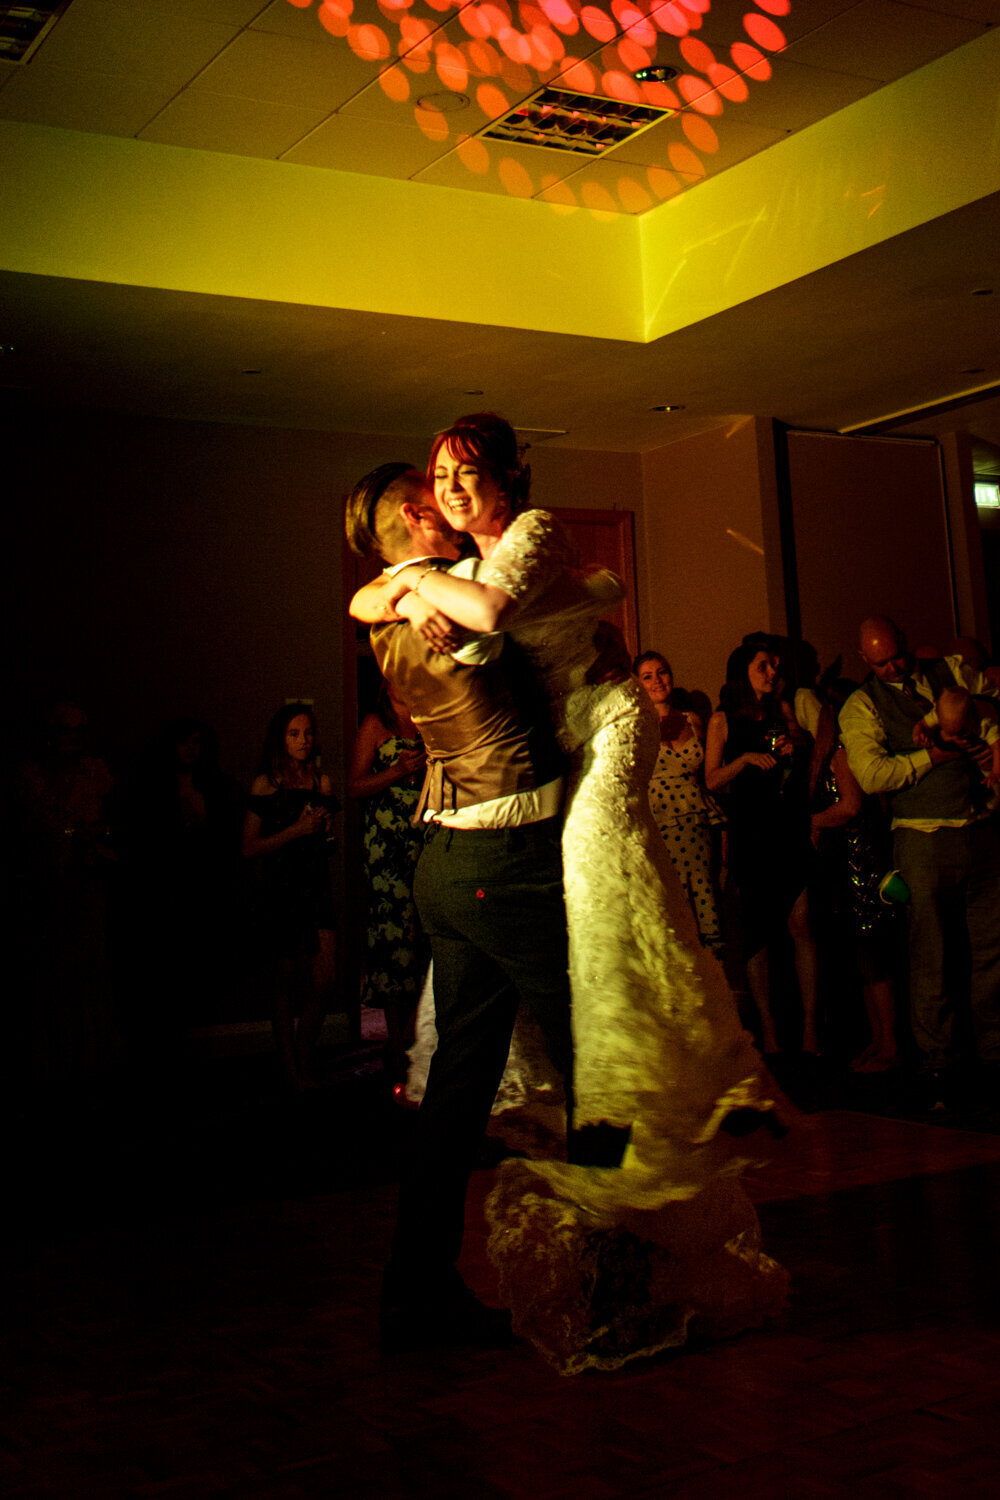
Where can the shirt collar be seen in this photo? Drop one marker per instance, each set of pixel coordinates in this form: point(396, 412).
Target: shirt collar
point(430, 561)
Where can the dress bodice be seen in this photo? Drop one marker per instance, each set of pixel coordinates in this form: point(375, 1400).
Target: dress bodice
point(535, 563)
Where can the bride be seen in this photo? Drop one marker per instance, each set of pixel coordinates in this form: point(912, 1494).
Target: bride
point(601, 1264)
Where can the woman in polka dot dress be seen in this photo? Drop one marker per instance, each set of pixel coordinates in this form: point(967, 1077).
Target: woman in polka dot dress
point(683, 811)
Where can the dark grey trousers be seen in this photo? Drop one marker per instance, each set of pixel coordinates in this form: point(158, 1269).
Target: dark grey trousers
point(954, 880)
point(491, 903)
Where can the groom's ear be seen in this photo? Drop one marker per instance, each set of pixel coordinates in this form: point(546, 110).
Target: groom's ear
point(411, 513)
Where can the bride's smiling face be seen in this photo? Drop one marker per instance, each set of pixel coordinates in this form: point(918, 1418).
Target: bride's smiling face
point(468, 496)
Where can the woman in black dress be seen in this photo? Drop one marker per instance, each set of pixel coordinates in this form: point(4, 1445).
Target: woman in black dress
point(290, 826)
point(757, 754)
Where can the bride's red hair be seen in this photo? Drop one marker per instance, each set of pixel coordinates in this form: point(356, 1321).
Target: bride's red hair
point(486, 439)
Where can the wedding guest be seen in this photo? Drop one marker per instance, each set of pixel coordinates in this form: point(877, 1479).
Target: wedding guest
point(682, 811)
point(289, 826)
point(756, 753)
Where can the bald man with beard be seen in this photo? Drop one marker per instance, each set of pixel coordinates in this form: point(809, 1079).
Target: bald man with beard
point(945, 845)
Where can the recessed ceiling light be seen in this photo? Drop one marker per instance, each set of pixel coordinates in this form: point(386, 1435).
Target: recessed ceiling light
point(6, 348)
point(983, 291)
point(253, 372)
point(472, 393)
point(655, 75)
point(667, 408)
point(446, 103)
point(973, 370)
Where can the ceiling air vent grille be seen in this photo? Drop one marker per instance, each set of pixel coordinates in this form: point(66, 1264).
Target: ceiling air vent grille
point(22, 27)
point(583, 124)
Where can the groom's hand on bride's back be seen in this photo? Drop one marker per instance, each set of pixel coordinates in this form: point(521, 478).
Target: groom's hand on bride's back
point(612, 662)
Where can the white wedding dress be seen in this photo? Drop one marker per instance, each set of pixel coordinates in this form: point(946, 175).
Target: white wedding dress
point(602, 1265)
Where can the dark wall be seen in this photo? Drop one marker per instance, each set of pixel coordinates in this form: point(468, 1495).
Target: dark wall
point(177, 567)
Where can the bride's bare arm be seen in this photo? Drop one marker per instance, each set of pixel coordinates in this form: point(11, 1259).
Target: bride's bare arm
point(373, 603)
point(477, 606)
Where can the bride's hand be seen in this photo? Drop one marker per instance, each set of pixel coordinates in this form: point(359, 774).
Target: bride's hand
point(437, 630)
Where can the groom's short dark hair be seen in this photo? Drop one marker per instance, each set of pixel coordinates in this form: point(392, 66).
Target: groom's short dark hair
point(372, 508)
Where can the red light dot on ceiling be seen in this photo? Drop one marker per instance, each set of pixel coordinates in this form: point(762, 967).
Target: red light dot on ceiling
point(774, 7)
point(395, 84)
point(300, 4)
point(494, 19)
point(474, 22)
point(550, 40)
point(697, 54)
point(514, 45)
point(632, 56)
point(700, 133)
point(597, 24)
point(439, 4)
point(432, 122)
point(412, 32)
point(663, 183)
point(516, 178)
point(643, 32)
point(417, 59)
point(491, 100)
point(660, 96)
point(633, 196)
point(484, 60)
point(672, 20)
point(690, 87)
point(391, 8)
point(696, 7)
point(559, 195)
point(369, 42)
point(451, 67)
point(626, 13)
point(684, 160)
point(337, 23)
point(336, 8)
point(750, 60)
point(620, 86)
point(764, 32)
point(598, 199)
point(580, 76)
point(473, 155)
point(560, 13)
point(729, 84)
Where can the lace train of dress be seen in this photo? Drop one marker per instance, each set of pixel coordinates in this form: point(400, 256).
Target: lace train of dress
point(600, 1266)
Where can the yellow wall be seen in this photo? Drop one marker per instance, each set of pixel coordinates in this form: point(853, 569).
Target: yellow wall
point(109, 209)
point(908, 153)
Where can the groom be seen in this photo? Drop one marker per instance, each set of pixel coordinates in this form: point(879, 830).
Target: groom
point(488, 888)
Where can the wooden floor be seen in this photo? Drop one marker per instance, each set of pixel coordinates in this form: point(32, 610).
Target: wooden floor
point(199, 1322)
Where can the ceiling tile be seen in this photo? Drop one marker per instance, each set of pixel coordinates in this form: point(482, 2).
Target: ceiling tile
point(225, 12)
point(606, 187)
point(883, 40)
point(303, 22)
point(718, 144)
point(104, 103)
point(987, 11)
point(350, 144)
point(499, 167)
point(261, 65)
point(795, 96)
point(8, 70)
point(132, 41)
point(724, 23)
point(244, 127)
